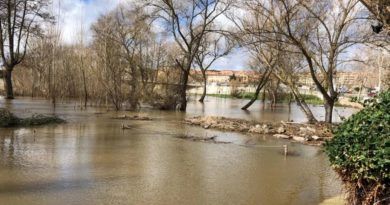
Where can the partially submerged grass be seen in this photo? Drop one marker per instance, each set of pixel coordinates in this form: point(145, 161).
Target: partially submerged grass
point(8, 119)
point(38, 119)
point(310, 99)
point(282, 98)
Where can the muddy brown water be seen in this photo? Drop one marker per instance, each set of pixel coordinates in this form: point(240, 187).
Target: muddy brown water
point(91, 160)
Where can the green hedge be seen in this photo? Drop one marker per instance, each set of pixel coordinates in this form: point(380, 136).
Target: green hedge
point(360, 152)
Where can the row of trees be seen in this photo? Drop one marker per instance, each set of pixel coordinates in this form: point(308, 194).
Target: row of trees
point(129, 61)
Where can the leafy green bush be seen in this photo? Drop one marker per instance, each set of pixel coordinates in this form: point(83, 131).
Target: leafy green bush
point(360, 153)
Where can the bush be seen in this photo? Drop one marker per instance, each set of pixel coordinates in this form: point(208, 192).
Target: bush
point(38, 119)
point(7, 119)
point(360, 153)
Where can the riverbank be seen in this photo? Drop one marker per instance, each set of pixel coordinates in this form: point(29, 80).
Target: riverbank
point(281, 98)
point(310, 134)
point(284, 98)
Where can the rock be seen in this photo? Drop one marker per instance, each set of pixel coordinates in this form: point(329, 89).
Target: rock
point(309, 129)
point(126, 127)
point(316, 138)
point(281, 130)
point(265, 129)
point(259, 129)
point(256, 129)
point(306, 131)
point(280, 136)
point(298, 139)
point(302, 129)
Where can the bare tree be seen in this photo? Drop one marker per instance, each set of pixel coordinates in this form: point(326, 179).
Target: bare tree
point(320, 31)
point(213, 47)
point(19, 20)
point(264, 68)
point(110, 66)
point(188, 21)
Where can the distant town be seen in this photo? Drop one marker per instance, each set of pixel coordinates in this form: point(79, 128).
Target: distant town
point(220, 82)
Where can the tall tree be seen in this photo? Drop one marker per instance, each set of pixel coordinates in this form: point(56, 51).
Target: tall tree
point(19, 21)
point(213, 47)
point(188, 21)
point(320, 31)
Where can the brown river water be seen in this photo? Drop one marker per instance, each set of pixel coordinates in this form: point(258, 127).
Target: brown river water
point(91, 161)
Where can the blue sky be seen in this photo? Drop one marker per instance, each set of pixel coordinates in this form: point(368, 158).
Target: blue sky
point(77, 14)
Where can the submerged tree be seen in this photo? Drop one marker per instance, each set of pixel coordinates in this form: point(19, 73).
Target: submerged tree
point(126, 31)
point(319, 31)
point(188, 21)
point(19, 21)
point(213, 47)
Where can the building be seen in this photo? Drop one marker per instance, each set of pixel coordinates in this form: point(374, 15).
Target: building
point(344, 79)
point(225, 81)
point(224, 77)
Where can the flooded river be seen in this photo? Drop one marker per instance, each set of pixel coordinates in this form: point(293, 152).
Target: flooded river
point(91, 161)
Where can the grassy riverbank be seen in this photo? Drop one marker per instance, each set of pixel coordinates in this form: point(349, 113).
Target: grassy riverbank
point(310, 99)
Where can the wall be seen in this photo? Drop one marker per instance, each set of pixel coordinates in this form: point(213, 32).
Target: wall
point(213, 88)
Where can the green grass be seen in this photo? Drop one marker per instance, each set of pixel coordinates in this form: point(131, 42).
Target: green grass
point(282, 98)
point(313, 100)
point(310, 99)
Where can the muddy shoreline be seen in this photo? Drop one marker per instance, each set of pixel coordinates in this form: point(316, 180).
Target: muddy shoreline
point(309, 134)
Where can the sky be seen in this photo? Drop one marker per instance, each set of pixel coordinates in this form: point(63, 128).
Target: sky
point(77, 14)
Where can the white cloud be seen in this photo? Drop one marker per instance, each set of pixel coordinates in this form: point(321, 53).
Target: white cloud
point(237, 60)
point(72, 15)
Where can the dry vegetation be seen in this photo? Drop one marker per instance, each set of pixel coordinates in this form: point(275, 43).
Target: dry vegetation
point(129, 62)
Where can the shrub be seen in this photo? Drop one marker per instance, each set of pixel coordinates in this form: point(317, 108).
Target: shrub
point(7, 119)
point(38, 119)
point(360, 153)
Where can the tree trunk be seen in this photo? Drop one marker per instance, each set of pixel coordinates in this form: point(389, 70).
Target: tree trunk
point(85, 90)
point(254, 98)
point(329, 111)
point(304, 107)
point(8, 83)
point(182, 104)
point(204, 91)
